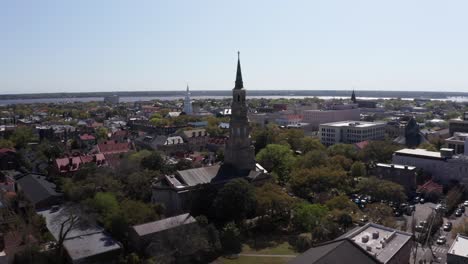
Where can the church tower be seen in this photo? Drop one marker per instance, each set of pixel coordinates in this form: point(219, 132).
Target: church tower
point(353, 97)
point(239, 152)
point(187, 102)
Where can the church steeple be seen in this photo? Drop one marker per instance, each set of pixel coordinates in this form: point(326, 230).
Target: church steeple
point(188, 102)
point(239, 152)
point(239, 82)
point(353, 97)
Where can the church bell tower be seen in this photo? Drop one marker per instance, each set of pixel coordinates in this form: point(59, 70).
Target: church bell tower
point(239, 152)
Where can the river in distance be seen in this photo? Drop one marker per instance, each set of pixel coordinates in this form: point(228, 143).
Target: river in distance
point(127, 99)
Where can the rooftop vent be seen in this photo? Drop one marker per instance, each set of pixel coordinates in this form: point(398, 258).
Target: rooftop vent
point(369, 248)
point(365, 239)
point(375, 235)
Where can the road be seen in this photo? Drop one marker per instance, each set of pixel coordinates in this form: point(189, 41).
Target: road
point(421, 213)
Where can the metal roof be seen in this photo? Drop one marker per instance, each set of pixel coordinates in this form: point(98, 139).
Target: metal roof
point(164, 224)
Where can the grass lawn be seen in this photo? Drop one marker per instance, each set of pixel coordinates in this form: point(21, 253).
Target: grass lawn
point(264, 246)
point(281, 248)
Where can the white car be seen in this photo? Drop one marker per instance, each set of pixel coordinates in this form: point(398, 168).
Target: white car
point(441, 240)
point(465, 203)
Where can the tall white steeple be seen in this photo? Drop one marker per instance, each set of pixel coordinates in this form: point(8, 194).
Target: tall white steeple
point(188, 102)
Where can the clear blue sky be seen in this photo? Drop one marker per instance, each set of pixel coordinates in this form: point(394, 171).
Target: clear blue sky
point(99, 45)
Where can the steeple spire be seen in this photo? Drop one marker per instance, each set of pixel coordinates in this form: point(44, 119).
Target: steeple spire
point(188, 88)
point(239, 82)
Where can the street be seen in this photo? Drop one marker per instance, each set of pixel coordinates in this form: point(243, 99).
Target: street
point(421, 213)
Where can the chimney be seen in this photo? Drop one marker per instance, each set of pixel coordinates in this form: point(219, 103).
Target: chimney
point(365, 239)
point(375, 235)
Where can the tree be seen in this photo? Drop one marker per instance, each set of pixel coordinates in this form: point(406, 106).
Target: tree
point(382, 189)
point(358, 169)
point(427, 146)
point(235, 201)
point(313, 158)
point(342, 202)
point(378, 151)
point(155, 161)
point(273, 202)
point(230, 239)
point(308, 216)
point(461, 228)
point(136, 212)
point(102, 133)
point(22, 136)
point(305, 183)
point(138, 184)
point(340, 162)
point(346, 150)
point(310, 143)
point(278, 159)
point(4, 143)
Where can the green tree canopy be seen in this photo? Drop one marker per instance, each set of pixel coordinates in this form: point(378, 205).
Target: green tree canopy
point(382, 189)
point(277, 159)
point(308, 216)
point(346, 150)
point(306, 183)
point(235, 201)
point(358, 169)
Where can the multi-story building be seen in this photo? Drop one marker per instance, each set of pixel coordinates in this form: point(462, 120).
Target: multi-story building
point(458, 252)
point(443, 166)
point(339, 113)
point(459, 125)
point(402, 174)
point(370, 243)
point(350, 132)
point(457, 143)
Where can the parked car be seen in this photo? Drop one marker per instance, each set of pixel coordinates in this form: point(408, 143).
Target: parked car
point(441, 240)
point(422, 201)
point(447, 226)
point(417, 199)
point(458, 213)
point(465, 203)
point(419, 228)
point(461, 207)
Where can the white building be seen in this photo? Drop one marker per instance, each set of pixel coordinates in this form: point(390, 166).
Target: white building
point(442, 166)
point(458, 142)
point(188, 102)
point(458, 252)
point(316, 117)
point(351, 132)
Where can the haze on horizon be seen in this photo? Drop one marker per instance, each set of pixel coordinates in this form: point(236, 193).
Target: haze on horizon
point(110, 45)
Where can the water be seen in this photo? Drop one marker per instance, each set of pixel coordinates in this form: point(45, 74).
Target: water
point(148, 98)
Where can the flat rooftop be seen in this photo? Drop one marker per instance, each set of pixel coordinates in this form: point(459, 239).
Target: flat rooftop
point(419, 153)
point(359, 124)
point(380, 241)
point(396, 166)
point(459, 246)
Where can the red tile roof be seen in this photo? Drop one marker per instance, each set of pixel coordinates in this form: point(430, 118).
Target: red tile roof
point(112, 147)
point(87, 137)
point(430, 186)
point(6, 150)
point(361, 145)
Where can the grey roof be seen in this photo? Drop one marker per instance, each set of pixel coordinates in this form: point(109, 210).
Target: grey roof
point(36, 188)
point(385, 246)
point(84, 240)
point(196, 176)
point(335, 252)
point(164, 224)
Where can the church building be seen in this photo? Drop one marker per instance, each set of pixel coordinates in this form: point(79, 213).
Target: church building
point(175, 191)
point(188, 102)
